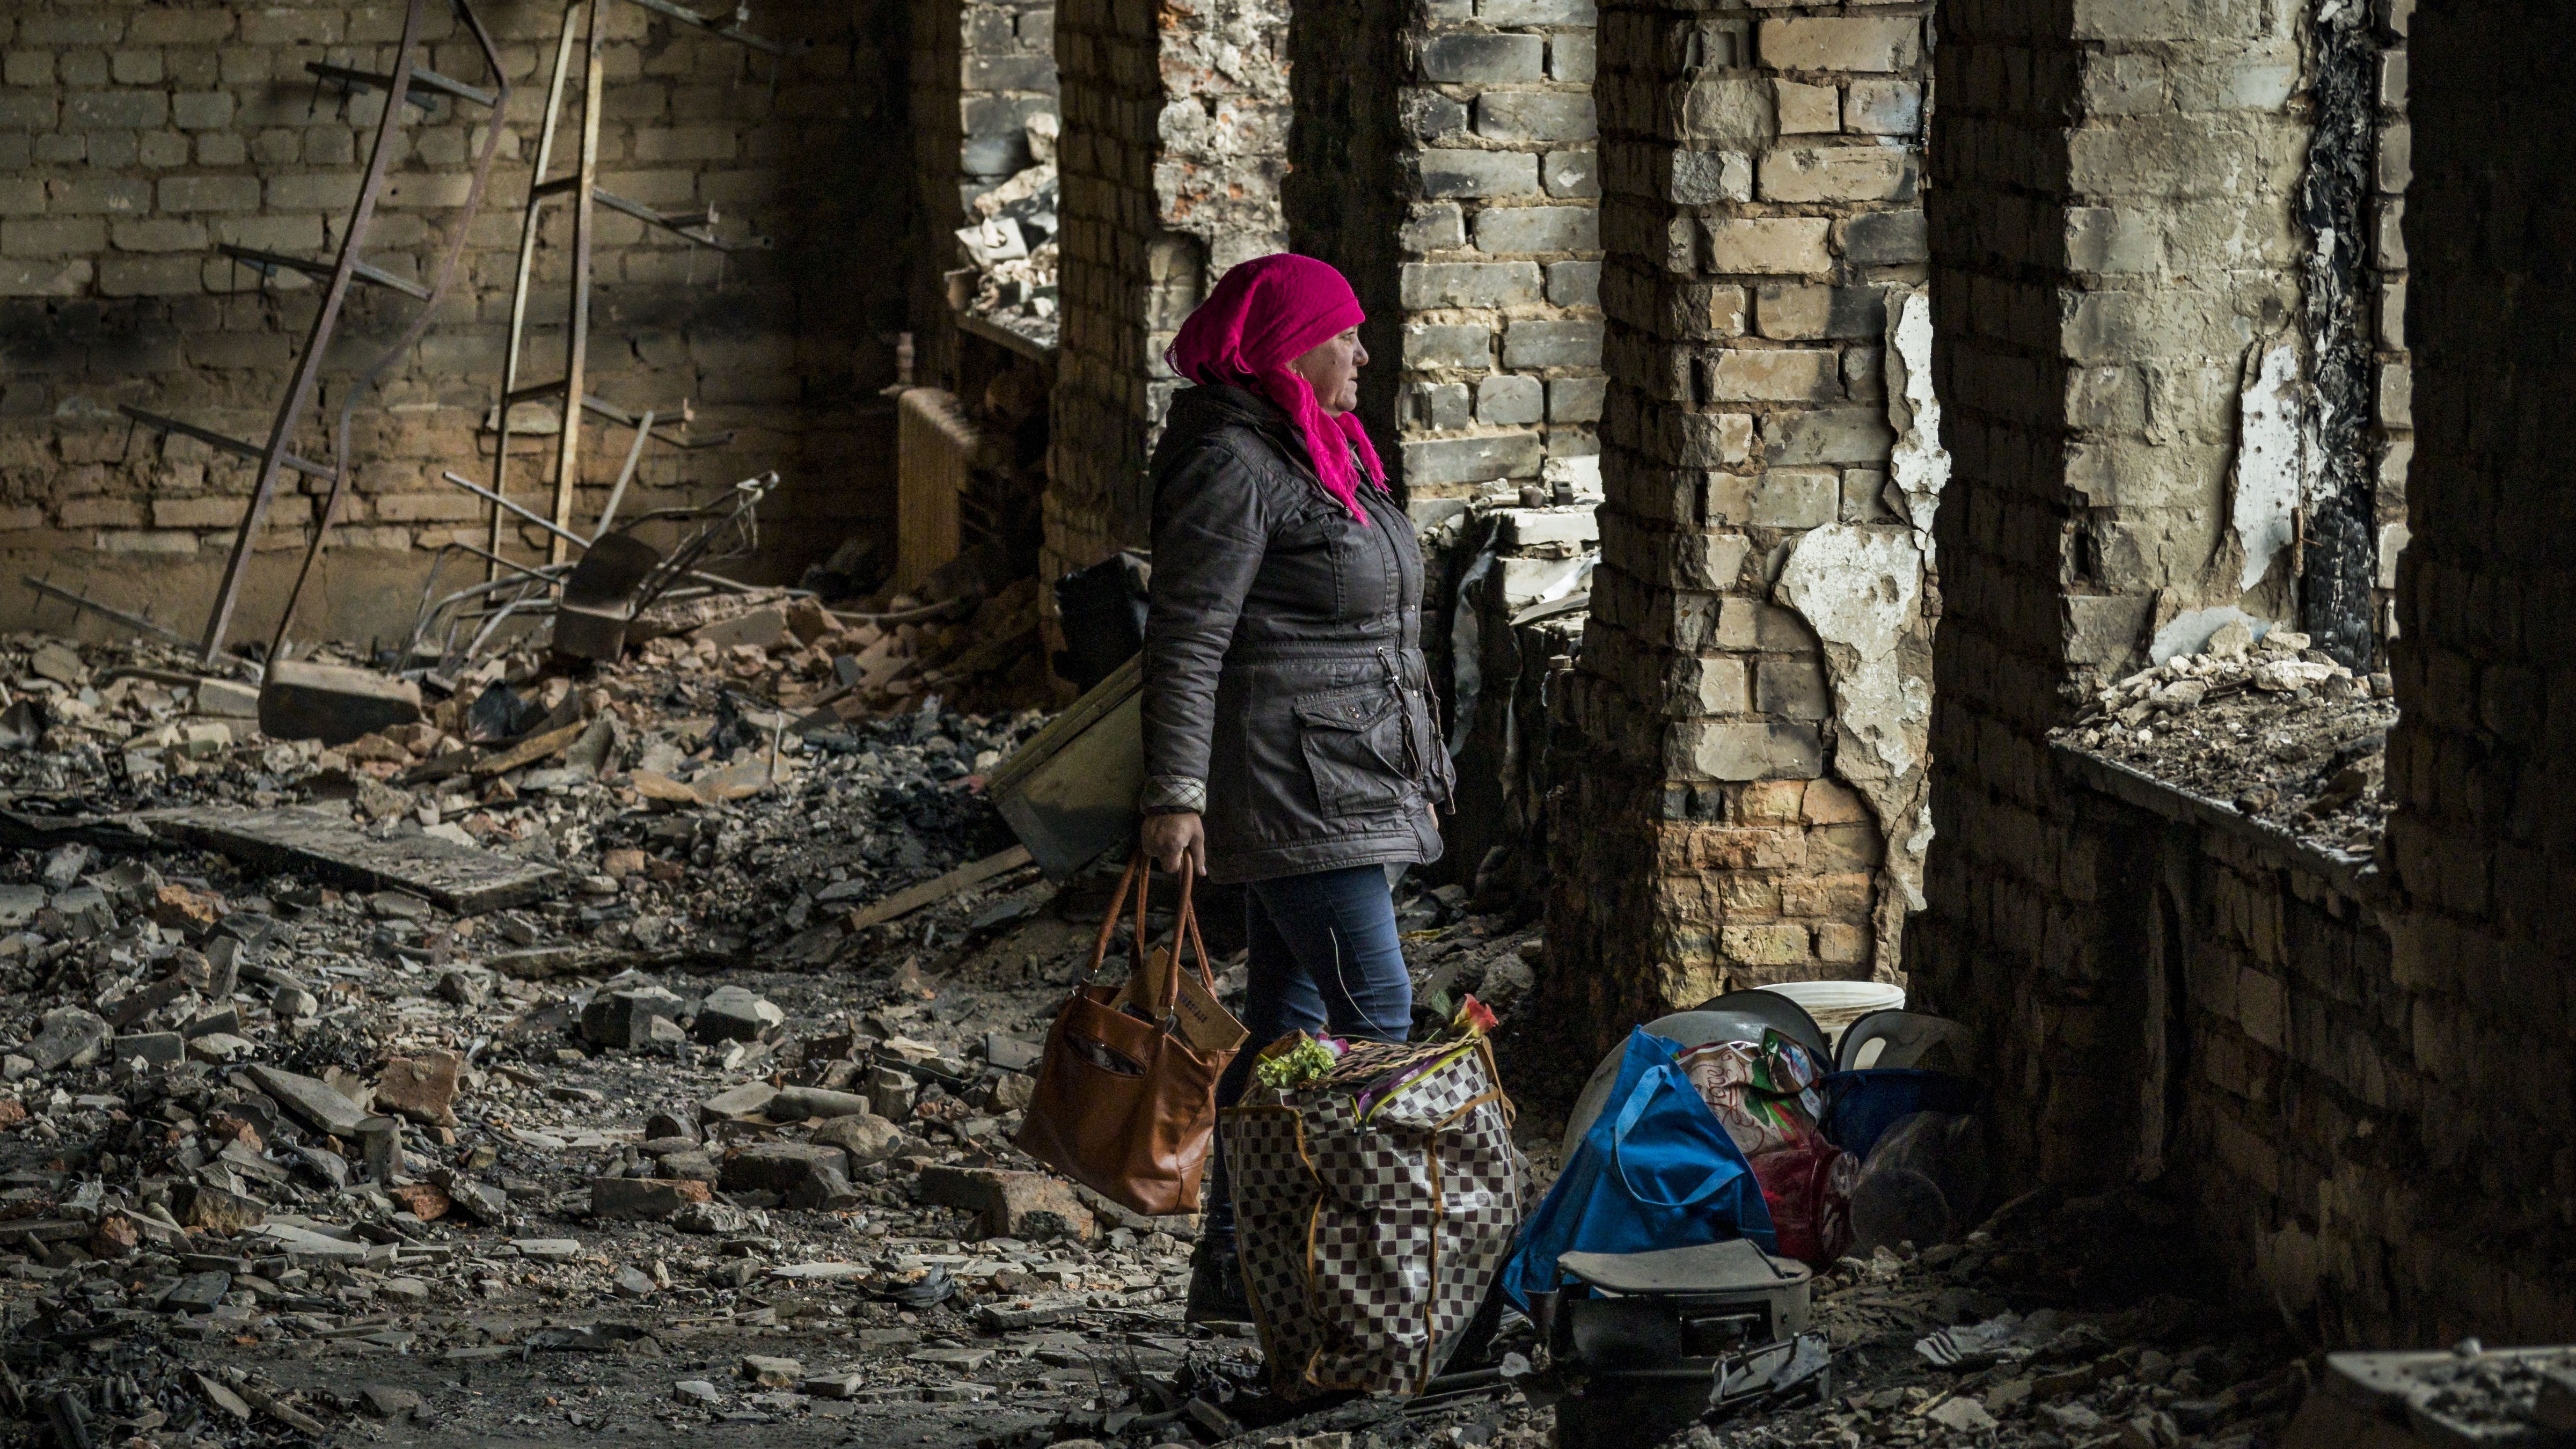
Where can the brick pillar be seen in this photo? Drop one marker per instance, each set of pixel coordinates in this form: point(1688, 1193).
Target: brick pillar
point(1751, 739)
point(1174, 142)
point(2115, 254)
point(1448, 168)
point(2483, 758)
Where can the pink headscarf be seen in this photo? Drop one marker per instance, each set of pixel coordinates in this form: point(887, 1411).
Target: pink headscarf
point(1266, 313)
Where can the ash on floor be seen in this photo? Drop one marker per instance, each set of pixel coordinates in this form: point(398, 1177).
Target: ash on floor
point(2274, 728)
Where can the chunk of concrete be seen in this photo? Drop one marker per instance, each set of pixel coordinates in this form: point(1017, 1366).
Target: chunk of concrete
point(731, 1013)
point(315, 1102)
point(779, 1167)
point(67, 1036)
point(422, 1088)
point(644, 1199)
point(804, 1102)
point(1027, 1205)
point(333, 703)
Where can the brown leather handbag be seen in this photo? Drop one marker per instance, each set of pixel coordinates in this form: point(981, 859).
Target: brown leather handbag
point(1125, 1106)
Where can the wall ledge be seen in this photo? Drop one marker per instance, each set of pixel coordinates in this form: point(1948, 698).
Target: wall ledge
point(2358, 876)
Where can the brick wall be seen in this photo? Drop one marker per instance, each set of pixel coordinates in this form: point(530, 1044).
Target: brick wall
point(2314, 1095)
point(133, 140)
point(1759, 179)
point(1175, 140)
point(2485, 657)
point(2392, 391)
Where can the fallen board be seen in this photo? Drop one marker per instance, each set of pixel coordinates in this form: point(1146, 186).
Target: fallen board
point(458, 877)
point(904, 902)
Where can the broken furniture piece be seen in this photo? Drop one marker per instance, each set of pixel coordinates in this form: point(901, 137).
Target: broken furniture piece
point(1070, 793)
point(417, 88)
point(1658, 1339)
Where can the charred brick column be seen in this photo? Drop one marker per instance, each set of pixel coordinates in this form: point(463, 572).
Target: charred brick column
point(2116, 263)
point(1174, 141)
point(1749, 737)
point(2484, 754)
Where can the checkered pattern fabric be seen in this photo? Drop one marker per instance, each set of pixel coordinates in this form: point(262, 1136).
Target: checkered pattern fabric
point(1369, 1238)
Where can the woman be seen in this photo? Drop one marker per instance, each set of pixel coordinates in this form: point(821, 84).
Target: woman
point(1290, 742)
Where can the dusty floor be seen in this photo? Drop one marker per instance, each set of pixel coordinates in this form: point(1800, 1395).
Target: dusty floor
point(611, 1213)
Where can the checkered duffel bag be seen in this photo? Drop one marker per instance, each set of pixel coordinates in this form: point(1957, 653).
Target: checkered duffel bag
point(1372, 1218)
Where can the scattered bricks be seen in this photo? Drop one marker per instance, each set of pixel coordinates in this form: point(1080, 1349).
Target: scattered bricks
point(1893, 43)
point(623, 1020)
point(870, 1138)
point(779, 1167)
point(479, 1201)
point(196, 1293)
point(1539, 229)
point(1031, 1206)
point(197, 1205)
point(317, 1104)
point(1473, 59)
point(1423, 285)
point(1449, 173)
point(114, 1238)
point(67, 1036)
point(422, 1200)
point(1519, 116)
point(843, 1385)
point(801, 1103)
point(1768, 244)
point(751, 1099)
point(423, 1088)
point(383, 1401)
point(763, 629)
point(644, 1199)
point(333, 703)
point(772, 1373)
point(151, 1048)
point(731, 1013)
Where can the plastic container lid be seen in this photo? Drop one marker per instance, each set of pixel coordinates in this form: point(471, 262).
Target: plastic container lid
point(1837, 1004)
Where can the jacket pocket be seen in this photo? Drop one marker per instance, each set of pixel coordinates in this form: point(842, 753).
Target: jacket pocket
point(1354, 745)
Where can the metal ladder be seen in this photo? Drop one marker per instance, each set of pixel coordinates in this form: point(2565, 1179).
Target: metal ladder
point(581, 187)
point(407, 86)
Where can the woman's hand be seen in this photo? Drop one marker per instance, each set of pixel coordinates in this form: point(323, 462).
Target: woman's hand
point(1171, 840)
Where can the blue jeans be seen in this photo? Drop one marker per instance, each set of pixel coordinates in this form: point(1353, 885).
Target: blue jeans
point(1324, 959)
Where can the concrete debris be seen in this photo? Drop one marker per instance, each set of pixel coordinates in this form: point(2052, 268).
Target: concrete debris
point(2267, 726)
point(274, 1092)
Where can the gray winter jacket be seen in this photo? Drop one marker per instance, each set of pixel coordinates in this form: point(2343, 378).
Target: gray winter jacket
point(1286, 696)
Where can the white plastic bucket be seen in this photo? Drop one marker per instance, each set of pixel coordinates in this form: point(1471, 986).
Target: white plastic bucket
point(1837, 1004)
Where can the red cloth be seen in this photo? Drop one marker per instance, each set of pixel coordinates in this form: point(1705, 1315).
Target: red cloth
point(1266, 313)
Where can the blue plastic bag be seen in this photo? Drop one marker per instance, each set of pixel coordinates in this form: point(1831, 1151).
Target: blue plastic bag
point(1656, 1170)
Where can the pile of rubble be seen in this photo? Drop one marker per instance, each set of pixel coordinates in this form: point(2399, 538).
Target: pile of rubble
point(590, 1052)
point(1012, 246)
point(2270, 726)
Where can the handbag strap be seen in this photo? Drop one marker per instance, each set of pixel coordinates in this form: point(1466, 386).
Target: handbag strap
point(1657, 1078)
point(1139, 877)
